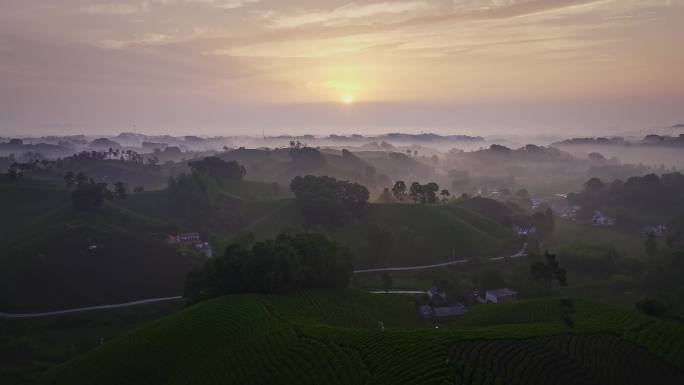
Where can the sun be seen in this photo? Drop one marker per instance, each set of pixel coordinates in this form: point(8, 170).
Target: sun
point(347, 99)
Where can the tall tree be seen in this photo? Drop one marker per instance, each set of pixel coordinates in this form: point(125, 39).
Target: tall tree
point(69, 179)
point(430, 193)
point(549, 271)
point(399, 190)
point(416, 192)
point(445, 195)
point(120, 190)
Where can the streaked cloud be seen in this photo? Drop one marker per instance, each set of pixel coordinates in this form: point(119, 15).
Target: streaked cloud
point(275, 52)
point(347, 13)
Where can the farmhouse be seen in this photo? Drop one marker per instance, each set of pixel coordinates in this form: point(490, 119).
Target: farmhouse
point(192, 239)
point(435, 294)
point(453, 310)
point(186, 238)
point(524, 229)
point(601, 219)
point(500, 295)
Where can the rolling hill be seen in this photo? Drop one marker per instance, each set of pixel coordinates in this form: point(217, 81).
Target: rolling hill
point(118, 251)
point(402, 234)
point(55, 257)
point(334, 337)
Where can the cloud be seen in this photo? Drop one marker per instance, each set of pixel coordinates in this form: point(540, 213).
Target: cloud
point(113, 9)
point(345, 14)
point(147, 39)
point(219, 4)
point(130, 8)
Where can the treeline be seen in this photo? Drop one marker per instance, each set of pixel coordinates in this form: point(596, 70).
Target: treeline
point(324, 200)
point(289, 262)
point(218, 168)
point(661, 193)
point(419, 193)
point(88, 194)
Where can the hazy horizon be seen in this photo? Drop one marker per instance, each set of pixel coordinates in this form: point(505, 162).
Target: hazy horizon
point(231, 67)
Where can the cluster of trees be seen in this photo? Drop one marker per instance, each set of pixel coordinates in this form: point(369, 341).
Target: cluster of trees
point(17, 169)
point(88, 194)
point(324, 200)
point(218, 168)
point(306, 157)
point(548, 271)
point(423, 193)
point(289, 262)
point(662, 193)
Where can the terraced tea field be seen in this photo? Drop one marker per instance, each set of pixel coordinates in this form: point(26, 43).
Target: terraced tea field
point(333, 337)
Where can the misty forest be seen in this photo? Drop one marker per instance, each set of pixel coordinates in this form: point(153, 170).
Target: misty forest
point(444, 236)
point(338, 192)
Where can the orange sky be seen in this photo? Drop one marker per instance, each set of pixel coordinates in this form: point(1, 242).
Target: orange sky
point(108, 65)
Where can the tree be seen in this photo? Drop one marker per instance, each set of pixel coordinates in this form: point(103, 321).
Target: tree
point(81, 179)
point(399, 190)
point(120, 190)
point(327, 201)
point(218, 168)
point(651, 244)
point(549, 271)
point(69, 179)
point(416, 192)
point(445, 195)
point(289, 262)
point(651, 306)
point(138, 189)
point(430, 193)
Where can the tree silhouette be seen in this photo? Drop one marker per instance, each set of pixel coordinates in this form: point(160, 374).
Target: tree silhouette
point(547, 272)
point(399, 190)
point(120, 190)
point(445, 195)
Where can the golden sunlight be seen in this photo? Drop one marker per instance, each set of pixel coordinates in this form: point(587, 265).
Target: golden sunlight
point(347, 99)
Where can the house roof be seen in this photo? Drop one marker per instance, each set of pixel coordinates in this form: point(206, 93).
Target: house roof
point(503, 292)
point(450, 311)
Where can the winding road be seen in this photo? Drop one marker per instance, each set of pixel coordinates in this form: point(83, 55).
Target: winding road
point(89, 308)
point(520, 253)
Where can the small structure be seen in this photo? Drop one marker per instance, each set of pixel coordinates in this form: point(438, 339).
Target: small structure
point(192, 239)
point(501, 295)
point(426, 311)
point(524, 229)
point(187, 238)
point(453, 310)
point(601, 219)
point(435, 294)
point(657, 230)
point(205, 247)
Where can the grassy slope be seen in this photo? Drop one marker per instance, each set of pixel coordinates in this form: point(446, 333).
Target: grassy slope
point(333, 337)
point(567, 233)
point(423, 234)
point(47, 261)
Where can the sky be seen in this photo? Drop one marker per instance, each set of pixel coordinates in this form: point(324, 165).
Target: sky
point(228, 67)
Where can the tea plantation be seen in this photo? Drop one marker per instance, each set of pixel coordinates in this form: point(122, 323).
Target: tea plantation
point(334, 337)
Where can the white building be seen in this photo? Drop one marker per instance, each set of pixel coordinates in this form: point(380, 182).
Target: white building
point(500, 295)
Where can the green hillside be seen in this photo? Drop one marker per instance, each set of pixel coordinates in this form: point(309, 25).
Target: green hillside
point(333, 337)
point(403, 234)
point(55, 257)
